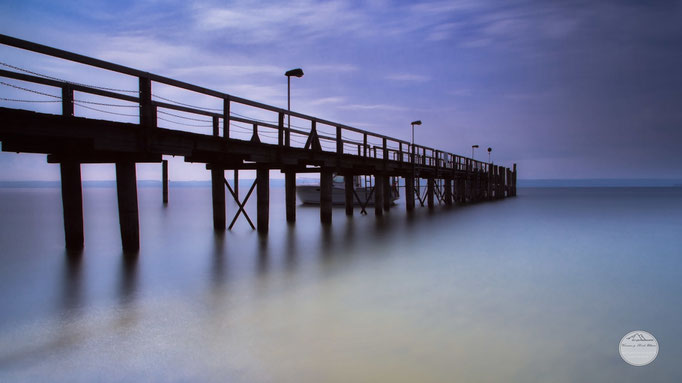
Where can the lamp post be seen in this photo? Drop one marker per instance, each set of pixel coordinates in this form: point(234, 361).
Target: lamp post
point(472, 150)
point(489, 150)
point(298, 72)
point(413, 123)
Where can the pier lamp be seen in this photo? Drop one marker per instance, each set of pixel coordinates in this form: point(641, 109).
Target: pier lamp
point(489, 150)
point(472, 150)
point(413, 123)
point(298, 72)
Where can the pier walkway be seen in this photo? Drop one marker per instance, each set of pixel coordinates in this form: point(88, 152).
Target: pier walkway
point(226, 133)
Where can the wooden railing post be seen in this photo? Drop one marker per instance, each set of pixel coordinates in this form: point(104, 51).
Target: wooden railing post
point(385, 149)
point(226, 117)
point(280, 129)
point(400, 151)
point(364, 144)
point(67, 101)
point(254, 137)
point(147, 109)
point(216, 126)
point(339, 141)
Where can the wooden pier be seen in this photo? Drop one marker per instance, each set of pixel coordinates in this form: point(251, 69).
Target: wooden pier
point(322, 146)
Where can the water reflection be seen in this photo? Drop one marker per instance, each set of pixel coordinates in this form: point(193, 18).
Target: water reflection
point(72, 281)
point(218, 265)
point(128, 279)
point(263, 255)
point(290, 248)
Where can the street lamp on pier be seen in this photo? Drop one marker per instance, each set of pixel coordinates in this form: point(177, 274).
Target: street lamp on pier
point(298, 72)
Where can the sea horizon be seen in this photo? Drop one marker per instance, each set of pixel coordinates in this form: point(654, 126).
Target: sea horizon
point(276, 182)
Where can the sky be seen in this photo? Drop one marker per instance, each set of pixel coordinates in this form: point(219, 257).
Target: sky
point(564, 89)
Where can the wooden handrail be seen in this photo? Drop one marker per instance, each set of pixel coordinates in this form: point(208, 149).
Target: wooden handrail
point(150, 77)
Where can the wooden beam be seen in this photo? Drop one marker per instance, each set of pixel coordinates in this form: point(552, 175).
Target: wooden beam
point(164, 180)
point(218, 196)
point(348, 193)
point(387, 193)
point(409, 193)
point(378, 194)
point(448, 191)
point(72, 203)
point(290, 195)
point(326, 183)
point(103, 157)
point(263, 200)
point(126, 188)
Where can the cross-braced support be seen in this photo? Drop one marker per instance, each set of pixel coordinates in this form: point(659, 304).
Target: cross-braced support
point(240, 204)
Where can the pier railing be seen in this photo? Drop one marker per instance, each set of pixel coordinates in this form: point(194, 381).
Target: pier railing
point(319, 134)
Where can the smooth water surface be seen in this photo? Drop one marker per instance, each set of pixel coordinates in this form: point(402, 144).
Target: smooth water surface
point(538, 288)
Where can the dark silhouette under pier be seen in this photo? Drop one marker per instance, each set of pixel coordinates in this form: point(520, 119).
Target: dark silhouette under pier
point(71, 141)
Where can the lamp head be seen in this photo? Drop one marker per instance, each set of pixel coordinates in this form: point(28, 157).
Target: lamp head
point(418, 122)
point(298, 72)
point(474, 146)
point(490, 150)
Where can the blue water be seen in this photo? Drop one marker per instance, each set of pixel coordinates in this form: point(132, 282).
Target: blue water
point(537, 288)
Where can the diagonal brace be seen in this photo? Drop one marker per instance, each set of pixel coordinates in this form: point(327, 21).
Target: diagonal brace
point(364, 205)
point(241, 205)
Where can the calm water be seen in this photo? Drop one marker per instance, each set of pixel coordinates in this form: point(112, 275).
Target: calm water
point(539, 288)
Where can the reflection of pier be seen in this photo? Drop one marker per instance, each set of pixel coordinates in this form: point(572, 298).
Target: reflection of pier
point(322, 146)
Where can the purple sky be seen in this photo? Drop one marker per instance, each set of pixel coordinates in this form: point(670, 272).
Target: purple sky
point(587, 89)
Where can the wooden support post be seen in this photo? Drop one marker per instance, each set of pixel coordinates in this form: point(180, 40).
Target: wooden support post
point(489, 194)
point(218, 193)
point(429, 192)
point(494, 181)
point(126, 187)
point(409, 193)
point(378, 194)
point(326, 183)
point(387, 193)
point(448, 191)
point(164, 180)
point(499, 182)
point(290, 194)
point(236, 182)
point(72, 203)
point(348, 189)
point(263, 199)
point(505, 181)
point(461, 188)
point(514, 182)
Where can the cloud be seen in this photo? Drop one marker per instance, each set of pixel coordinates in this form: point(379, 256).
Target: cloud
point(370, 107)
point(265, 23)
point(326, 101)
point(408, 77)
point(333, 68)
point(228, 70)
point(441, 7)
point(145, 53)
